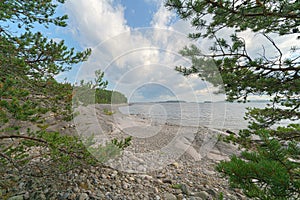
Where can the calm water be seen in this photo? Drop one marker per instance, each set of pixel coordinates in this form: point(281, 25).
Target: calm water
point(219, 115)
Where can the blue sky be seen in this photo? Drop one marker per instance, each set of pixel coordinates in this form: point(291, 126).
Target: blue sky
point(136, 43)
point(139, 13)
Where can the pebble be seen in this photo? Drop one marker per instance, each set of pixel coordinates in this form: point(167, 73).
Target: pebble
point(72, 196)
point(175, 164)
point(212, 192)
point(203, 195)
point(131, 179)
point(76, 189)
point(146, 177)
point(103, 176)
point(197, 180)
point(113, 186)
point(125, 186)
point(18, 197)
point(83, 196)
point(42, 196)
point(169, 196)
point(169, 181)
point(184, 188)
point(138, 180)
point(195, 198)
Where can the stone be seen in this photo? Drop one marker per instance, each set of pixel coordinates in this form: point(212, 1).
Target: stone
point(42, 196)
point(108, 195)
point(146, 177)
point(83, 196)
point(169, 196)
point(175, 164)
point(89, 185)
point(125, 186)
point(203, 195)
point(114, 173)
point(184, 188)
point(103, 176)
point(208, 172)
point(240, 196)
point(157, 197)
point(217, 156)
point(158, 181)
point(113, 186)
point(94, 197)
point(26, 195)
point(180, 197)
point(141, 187)
point(76, 189)
point(177, 191)
point(141, 168)
point(138, 180)
point(18, 197)
point(212, 192)
point(100, 195)
point(161, 176)
point(167, 181)
point(63, 196)
point(131, 179)
point(72, 196)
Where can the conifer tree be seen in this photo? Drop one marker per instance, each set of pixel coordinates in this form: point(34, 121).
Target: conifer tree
point(29, 62)
point(269, 169)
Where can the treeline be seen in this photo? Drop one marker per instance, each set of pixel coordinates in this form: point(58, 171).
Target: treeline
point(109, 96)
point(85, 95)
point(94, 92)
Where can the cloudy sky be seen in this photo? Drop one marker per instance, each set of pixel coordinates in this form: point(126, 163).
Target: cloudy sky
point(136, 44)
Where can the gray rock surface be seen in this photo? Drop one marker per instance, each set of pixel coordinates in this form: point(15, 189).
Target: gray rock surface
point(164, 161)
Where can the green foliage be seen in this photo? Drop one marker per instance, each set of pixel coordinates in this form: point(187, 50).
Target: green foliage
point(108, 112)
point(240, 75)
point(104, 154)
point(49, 148)
point(29, 61)
point(99, 80)
point(122, 144)
point(240, 15)
point(111, 97)
point(92, 92)
point(29, 94)
point(270, 172)
point(109, 151)
point(221, 196)
point(176, 186)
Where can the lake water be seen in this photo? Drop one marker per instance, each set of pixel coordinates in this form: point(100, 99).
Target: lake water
point(220, 115)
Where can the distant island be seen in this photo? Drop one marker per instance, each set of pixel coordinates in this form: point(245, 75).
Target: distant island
point(168, 101)
point(171, 101)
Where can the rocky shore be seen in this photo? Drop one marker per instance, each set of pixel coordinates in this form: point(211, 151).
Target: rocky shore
point(164, 161)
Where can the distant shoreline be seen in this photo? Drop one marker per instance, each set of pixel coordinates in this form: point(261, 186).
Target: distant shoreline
point(181, 101)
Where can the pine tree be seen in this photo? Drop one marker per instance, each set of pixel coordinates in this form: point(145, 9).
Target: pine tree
point(29, 62)
point(269, 169)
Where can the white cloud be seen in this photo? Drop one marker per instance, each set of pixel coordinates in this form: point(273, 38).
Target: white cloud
point(96, 20)
point(258, 45)
point(131, 57)
point(57, 40)
point(162, 17)
point(153, 1)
